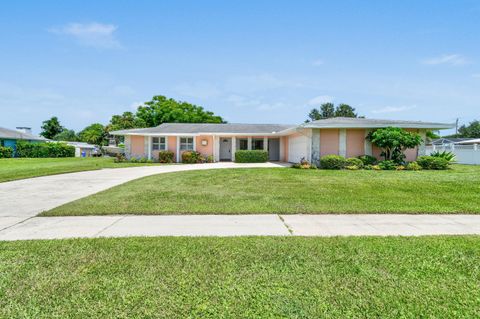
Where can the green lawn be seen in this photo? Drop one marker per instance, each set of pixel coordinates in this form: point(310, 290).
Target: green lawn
point(244, 277)
point(19, 168)
point(280, 190)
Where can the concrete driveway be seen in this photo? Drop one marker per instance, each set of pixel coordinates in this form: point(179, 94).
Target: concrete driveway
point(23, 199)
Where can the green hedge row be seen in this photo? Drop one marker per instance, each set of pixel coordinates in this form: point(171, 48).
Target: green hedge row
point(255, 156)
point(6, 152)
point(43, 150)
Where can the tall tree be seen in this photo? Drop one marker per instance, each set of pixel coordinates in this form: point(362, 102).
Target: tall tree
point(345, 110)
point(51, 127)
point(163, 110)
point(94, 134)
point(471, 130)
point(125, 121)
point(67, 136)
point(328, 110)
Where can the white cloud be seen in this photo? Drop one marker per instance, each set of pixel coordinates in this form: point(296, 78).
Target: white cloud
point(93, 34)
point(318, 62)
point(450, 59)
point(394, 109)
point(318, 100)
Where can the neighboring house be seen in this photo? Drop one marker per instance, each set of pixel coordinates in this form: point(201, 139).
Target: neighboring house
point(470, 141)
point(449, 140)
point(9, 138)
point(83, 149)
point(289, 143)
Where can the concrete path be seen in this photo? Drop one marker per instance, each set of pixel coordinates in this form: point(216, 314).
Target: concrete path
point(23, 199)
point(242, 225)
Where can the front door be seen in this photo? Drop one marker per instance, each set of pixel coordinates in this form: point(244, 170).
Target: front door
point(225, 149)
point(273, 149)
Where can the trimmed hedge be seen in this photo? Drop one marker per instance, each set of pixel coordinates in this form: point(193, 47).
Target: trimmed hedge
point(333, 162)
point(368, 159)
point(191, 157)
point(254, 156)
point(6, 152)
point(353, 161)
point(44, 150)
point(432, 162)
point(165, 157)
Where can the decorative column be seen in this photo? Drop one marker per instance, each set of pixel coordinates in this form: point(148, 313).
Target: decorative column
point(265, 144)
point(234, 147)
point(249, 144)
point(422, 150)
point(149, 151)
point(315, 158)
point(146, 145)
point(342, 142)
point(128, 146)
point(178, 149)
point(216, 148)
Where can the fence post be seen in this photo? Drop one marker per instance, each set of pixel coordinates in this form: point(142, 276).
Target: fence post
point(475, 147)
point(433, 147)
point(453, 147)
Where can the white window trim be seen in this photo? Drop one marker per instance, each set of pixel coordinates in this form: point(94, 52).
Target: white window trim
point(159, 143)
point(178, 146)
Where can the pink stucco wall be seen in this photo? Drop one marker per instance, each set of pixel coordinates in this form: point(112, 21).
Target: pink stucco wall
point(355, 142)
point(206, 150)
point(329, 140)
point(137, 146)
point(172, 145)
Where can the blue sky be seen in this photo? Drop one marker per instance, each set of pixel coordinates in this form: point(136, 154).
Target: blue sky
point(248, 61)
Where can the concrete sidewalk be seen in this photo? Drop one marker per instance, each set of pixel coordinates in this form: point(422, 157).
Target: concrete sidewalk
point(242, 225)
point(23, 199)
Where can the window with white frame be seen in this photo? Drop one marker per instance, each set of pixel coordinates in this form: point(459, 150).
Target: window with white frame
point(242, 144)
point(257, 144)
point(186, 143)
point(159, 143)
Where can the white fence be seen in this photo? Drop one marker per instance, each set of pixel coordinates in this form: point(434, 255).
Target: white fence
point(465, 154)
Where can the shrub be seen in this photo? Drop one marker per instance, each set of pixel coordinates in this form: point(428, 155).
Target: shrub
point(304, 164)
point(6, 152)
point(376, 167)
point(134, 160)
point(431, 162)
point(210, 159)
point(413, 166)
point(449, 156)
point(368, 159)
point(119, 158)
point(143, 160)
point(191, 157)
point(165, 156)
point(43, 150)
point(387, 165)
point(352, 161)
point(400, 168)
point(253, 156)
point(352, 167)
point(332, 162)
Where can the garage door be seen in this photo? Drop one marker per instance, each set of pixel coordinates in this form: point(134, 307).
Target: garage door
point(297, 148)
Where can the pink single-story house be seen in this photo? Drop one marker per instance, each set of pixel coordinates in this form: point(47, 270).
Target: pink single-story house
point(288, 143)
